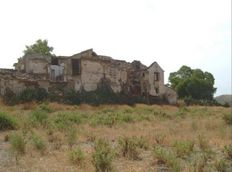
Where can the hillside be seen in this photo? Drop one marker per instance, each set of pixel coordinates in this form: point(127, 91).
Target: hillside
point(222, 99)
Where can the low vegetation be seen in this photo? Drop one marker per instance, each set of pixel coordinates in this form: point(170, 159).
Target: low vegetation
point(103, 156)
point(7, 122)
point(77, 156)
point(115, 138)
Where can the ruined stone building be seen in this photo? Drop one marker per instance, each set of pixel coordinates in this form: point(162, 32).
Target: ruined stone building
point(86, 70)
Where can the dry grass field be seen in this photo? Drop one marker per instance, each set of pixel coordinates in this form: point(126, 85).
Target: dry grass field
point(54, 137)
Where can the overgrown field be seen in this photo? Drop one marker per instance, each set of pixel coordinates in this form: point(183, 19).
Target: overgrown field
point(56, 137)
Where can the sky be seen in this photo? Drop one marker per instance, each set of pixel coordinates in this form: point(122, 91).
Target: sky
point(196, 33)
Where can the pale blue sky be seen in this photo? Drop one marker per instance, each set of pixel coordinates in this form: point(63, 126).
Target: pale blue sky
point(196, 33)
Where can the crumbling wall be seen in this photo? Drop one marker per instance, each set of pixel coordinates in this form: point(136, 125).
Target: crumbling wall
point(170, 95)
point(91, 73)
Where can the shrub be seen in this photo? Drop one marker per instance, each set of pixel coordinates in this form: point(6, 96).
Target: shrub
point(71, 136)
point(183, 148)
point(63, 120)
point(103, 156)
point(221, 165)
point(38, 142)
point(10, 97)
point(38, 117)
point(30, 94)
point(128, 147)
point(160, 138)
point(228, 118)
point(18, 145)
point(203, 143)
point(45, 107)
point(228, 151)
point(7, 122)
point(142, 143)
point(166, 157)
point(77, 156)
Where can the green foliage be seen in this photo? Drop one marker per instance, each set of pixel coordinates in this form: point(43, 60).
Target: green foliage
point(77, 156)
point(183, 148)
point(62, 120)
point(228, 118)
point(40, 46)
point(7, 122)
point(38, 117)
point(193, 83)
point(166, 157)
point(30, 94)
point(38, 142)
point(45, 107)
point(18, 144)
point(103, 156)
point(228, 151)
point(71, 136)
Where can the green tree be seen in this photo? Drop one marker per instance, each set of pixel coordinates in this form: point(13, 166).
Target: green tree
point(40, 46)
point(193, 83)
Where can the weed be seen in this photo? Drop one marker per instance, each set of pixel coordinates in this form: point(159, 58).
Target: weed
point(200, 163)
point(142, 143)
point(71, 136)
point(128, 147)
point(167, 157)
point(221, 165)
point(203, 143)
point(182, 112)
point(160, 138)
point(228, 118)
point(228, 151)
point(45, 107)
point(103, 156)
point(18, 145)
point(7, 122)
point(38, 117)
point(77, 156)
point(63, 120)
point(183, 148)
point(38, 142)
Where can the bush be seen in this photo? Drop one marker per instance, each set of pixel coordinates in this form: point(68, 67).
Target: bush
point(128, 147)
point(71, 136)
point(228, 118)
point(183, 148)
point(77, 156)
point(7, 122)
point(30, 94)
point(63, 120)
point(103, 156)
point(10, 97)
point(38, 117)
point(18, 145)
point(38, 142)
point(203, 143)
point(166, 157)
point(228, 151)
point(221, 165)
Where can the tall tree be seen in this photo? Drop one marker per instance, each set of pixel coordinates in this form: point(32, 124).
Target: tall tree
point(193, 83)
point(40, 46)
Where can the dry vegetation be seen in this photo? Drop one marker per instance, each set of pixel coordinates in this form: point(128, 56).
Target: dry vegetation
point(56, 137)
